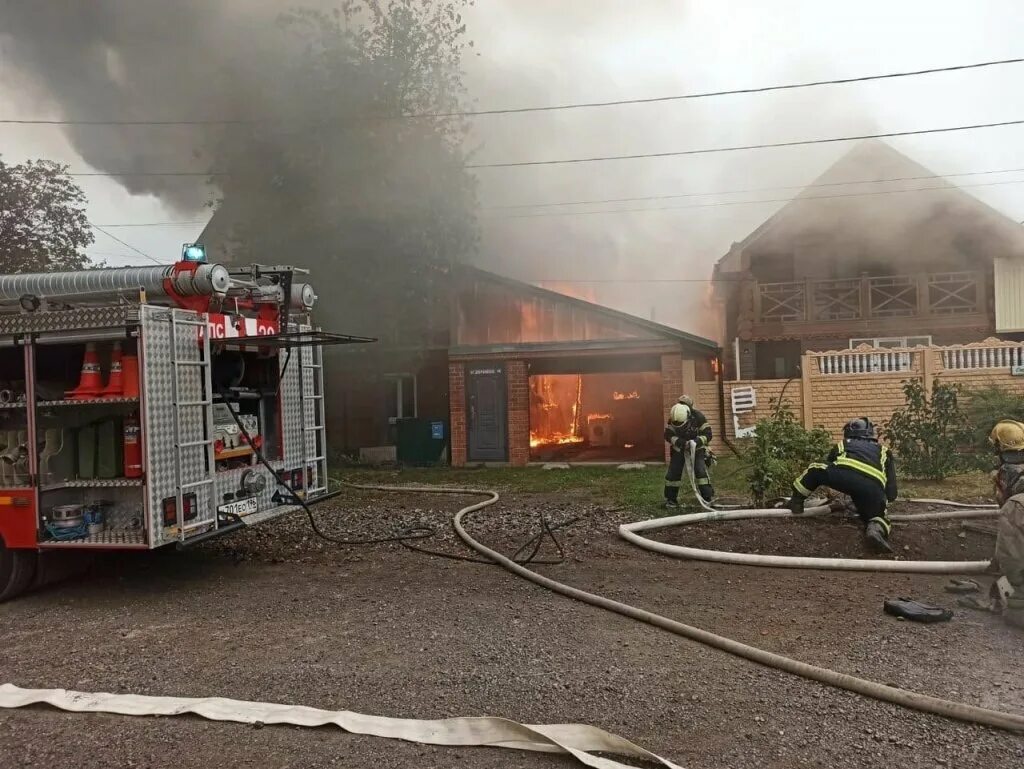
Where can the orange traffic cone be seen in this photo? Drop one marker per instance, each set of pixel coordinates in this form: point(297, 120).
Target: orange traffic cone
point(130, 376)
point(91, 384)
point(115, 384)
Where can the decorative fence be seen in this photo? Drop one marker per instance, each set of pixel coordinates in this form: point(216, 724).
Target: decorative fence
point(840, 384)
point(973, 357)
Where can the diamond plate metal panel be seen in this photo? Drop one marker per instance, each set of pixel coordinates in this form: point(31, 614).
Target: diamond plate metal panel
point(160, 412)
point(66, 320)
point(291, 408)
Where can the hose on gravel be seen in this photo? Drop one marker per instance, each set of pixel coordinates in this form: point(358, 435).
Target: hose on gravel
point(630, 532)
point(891, 694)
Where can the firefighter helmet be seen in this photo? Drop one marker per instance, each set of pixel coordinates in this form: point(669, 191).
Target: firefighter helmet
point(686, 400)
point(862, 428)
point(679, 414)
point(1008, 435)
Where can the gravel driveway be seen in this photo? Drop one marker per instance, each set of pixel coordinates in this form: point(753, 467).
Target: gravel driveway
point(276, 614)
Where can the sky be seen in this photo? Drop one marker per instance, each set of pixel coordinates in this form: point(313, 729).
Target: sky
point(539, 52)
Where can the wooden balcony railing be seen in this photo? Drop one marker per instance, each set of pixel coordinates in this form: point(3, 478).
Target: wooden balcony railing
point(870, 298)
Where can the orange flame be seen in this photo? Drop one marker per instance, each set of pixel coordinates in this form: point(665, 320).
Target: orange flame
point(625, 396)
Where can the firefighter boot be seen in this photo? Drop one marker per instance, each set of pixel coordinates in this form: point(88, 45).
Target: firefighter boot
point(876, 534)
point(796, 503)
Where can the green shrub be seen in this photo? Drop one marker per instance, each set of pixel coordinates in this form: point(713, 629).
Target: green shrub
point(932, 436)
point(781, 450)
point(987, 406)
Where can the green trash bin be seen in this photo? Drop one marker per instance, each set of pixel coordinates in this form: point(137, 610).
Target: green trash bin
point(420, 441)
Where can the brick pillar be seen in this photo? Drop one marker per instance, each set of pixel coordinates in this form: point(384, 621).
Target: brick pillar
point(671, 384)
point(518, 413)
point(807, 392)
point(457, 409)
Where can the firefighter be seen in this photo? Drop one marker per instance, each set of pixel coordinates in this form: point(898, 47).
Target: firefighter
point(685, 424)
point(862, 468)
point(1008, 559)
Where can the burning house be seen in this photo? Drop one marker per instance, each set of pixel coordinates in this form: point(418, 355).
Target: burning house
point(523, 373)
point(536, 376)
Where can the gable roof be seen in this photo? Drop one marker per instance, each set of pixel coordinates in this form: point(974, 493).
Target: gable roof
point(650, 326)
point(887, 165)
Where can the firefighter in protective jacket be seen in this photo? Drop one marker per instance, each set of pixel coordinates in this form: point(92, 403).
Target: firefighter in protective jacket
point(1008, 559)
point(685, 424)
point(862, 468)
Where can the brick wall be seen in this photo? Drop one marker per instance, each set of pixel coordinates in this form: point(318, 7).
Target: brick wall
point(832, 399)
point(767, 392)
point(518, 413)
point(457, 400)
point(837, 399)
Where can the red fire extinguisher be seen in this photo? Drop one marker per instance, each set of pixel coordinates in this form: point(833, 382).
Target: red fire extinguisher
point(132, 447)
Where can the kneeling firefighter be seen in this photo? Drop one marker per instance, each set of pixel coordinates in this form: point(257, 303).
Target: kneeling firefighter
point(685, 424)
point(1008, 590)
point(861, 468)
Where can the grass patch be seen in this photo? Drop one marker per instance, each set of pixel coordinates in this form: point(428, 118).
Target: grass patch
point(639, 490)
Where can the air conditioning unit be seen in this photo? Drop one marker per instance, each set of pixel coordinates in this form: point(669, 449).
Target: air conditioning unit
point(600, 430)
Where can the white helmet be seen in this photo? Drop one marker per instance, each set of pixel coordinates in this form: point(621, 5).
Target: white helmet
point(679, 414)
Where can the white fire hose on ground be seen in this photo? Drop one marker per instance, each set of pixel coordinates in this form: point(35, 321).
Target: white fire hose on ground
point(631, 533)
point(577, 740)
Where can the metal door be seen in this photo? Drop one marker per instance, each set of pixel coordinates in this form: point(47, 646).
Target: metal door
point(486, 404)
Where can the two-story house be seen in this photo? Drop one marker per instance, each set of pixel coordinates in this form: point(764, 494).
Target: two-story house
point(878, 251)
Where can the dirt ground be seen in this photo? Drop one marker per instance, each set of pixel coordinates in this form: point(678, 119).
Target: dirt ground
point(275, 614)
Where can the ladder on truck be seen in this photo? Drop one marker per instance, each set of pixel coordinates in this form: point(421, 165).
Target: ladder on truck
point(314, 443)
point(186, 319)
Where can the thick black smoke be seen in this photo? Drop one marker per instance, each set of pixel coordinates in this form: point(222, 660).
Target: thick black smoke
point(146, 60)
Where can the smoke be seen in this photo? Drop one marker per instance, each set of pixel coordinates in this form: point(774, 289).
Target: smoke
point(222, 59)
point(146, 60)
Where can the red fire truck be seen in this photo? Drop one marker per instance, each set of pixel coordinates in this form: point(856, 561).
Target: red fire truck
point(136, 404)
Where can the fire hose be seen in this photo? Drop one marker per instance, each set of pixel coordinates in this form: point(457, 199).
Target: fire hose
point(631, 533)
point(574, 739)
point(891, 694)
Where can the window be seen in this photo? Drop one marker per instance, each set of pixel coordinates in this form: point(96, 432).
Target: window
point(400, 396)
point(892, 342)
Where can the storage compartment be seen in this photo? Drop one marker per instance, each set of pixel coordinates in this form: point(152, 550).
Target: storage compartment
point(247, 407)
point(85, 397)
point(14, 438)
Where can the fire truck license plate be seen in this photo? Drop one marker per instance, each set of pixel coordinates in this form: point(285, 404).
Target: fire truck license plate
point(239, 507)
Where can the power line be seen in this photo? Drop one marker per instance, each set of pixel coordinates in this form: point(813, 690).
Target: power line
point(750, 202)
point(770, 145)
point(637, 156)
point(543, 108)
point(732, 92)
point(127, 245)
point(671, 196)
point(181, 223)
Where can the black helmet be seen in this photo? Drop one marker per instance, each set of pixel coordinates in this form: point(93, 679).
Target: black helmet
point(860, 428)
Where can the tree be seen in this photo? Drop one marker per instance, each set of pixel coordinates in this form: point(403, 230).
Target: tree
point(378, 204)
point(43, 226)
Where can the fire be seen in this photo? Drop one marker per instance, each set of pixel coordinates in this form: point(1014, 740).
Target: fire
point(597, 417)
point(553, 440)
point(625, 396)
point(559, 400)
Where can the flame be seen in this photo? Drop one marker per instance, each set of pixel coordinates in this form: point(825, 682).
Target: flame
point(629, 445)
point(597, 417)
point(553, 440)
point(560, 428)
point(625, 396)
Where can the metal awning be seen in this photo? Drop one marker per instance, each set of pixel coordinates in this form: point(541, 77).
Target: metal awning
point(291, 339)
